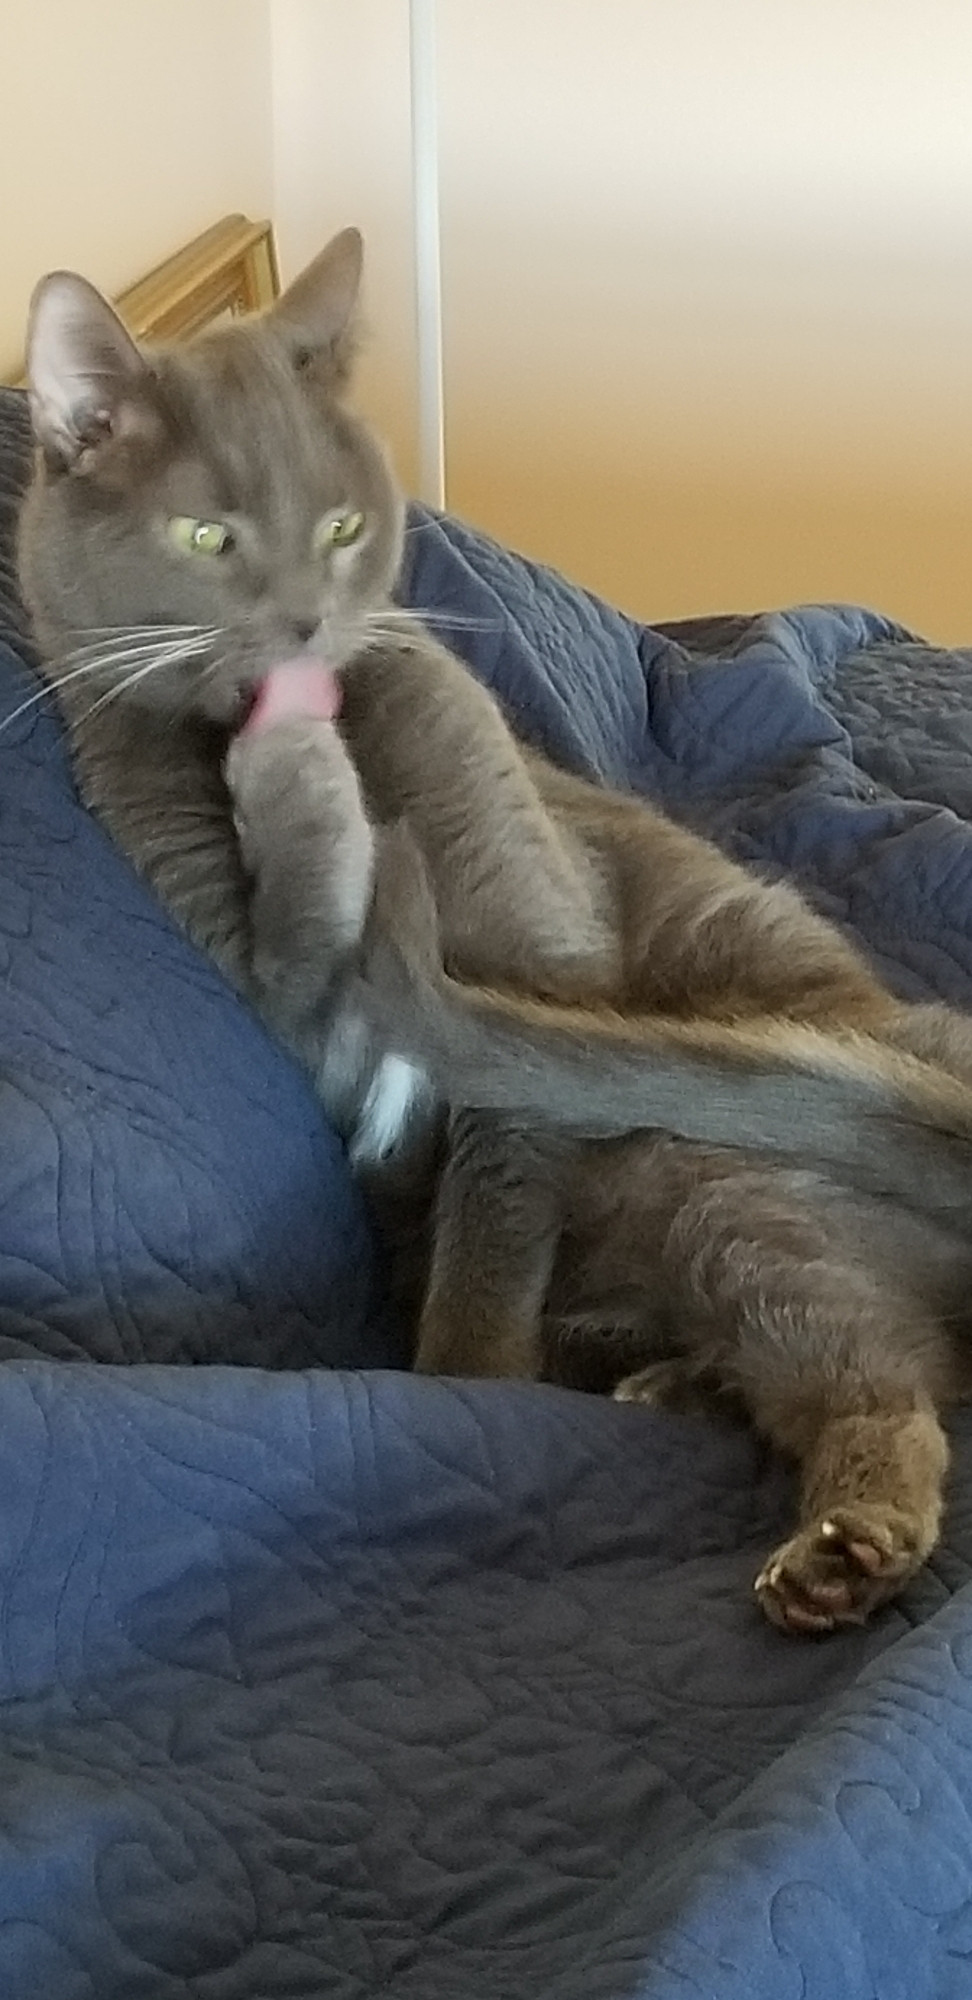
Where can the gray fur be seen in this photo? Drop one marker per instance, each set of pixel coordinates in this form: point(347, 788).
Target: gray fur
point(432, 916)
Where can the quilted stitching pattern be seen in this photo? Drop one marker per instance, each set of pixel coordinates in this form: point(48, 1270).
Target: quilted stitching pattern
point(325, 1685)
point(348, 1684)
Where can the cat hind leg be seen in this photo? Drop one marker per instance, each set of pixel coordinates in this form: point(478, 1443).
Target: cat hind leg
point(838, 1370)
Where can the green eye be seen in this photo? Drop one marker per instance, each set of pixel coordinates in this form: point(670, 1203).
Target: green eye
point(200, 538)
point(338, 531)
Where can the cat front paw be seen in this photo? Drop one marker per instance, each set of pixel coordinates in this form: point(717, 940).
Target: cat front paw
point(291, 782)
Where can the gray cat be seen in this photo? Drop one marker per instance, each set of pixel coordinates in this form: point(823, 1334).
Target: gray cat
point(432, 915)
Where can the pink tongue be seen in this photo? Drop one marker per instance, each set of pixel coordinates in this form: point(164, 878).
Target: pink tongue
point(302, 686)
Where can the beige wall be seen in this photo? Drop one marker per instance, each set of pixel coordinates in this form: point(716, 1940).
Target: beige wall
point(343, 154)
point(708, 296)
point(707, 267)
point(128, 126)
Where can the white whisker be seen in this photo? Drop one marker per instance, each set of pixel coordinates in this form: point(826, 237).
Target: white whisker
point(132, 680)
point(152, 625)
point(49, 687)
point(141, 631)
point(117, 689)
point(397, 617)
point(167, 653)
point(122, 640)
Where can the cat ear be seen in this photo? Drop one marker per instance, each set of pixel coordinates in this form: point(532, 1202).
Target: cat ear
point(316, 314)
point(86, 377)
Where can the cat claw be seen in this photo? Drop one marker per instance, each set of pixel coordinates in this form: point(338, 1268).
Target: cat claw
point(839, 1571)
point(667, 1385)
point(657, 1385)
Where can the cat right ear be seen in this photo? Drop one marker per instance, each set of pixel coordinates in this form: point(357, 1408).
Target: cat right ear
point(317, 313)
point(85, 377)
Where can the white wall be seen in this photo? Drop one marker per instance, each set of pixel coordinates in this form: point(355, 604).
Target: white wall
point(128, 126)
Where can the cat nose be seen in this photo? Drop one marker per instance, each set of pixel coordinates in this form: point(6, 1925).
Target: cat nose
point(304, 628)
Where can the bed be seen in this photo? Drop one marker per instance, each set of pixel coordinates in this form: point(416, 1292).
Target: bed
point(320, 1679)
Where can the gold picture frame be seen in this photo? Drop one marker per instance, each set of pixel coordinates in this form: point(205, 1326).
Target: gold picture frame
point(231, 267)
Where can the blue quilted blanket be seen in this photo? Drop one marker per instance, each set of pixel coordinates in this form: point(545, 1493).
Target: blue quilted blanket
point(323, 1680)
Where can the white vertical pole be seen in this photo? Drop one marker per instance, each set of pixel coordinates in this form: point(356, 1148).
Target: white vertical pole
point(428, 280)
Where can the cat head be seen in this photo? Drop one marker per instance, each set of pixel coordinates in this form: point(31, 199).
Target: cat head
point(201, 512)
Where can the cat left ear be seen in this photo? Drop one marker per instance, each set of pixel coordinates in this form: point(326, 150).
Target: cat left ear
point(85, 375)
point(316, 314)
